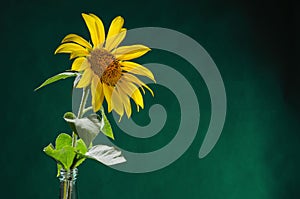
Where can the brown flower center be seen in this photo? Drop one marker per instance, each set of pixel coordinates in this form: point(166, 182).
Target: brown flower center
point(105, 66)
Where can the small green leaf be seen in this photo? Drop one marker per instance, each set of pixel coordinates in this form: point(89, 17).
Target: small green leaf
point(80, 147)
point(70, 118)
point(80, 150)
point(64, 156)
point(106, 155)
point(63, 140)
point(79, 161)
point(50, 151)
point(106, 129)
point(57, 77)
point(59, 167)
point(69, 115)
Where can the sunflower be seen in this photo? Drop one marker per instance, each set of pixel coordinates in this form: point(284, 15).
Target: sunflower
point(105, 67)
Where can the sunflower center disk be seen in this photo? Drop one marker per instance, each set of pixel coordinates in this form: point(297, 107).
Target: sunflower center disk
point(105, 66)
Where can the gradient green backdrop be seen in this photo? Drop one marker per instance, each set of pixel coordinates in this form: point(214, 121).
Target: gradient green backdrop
point(253, 44)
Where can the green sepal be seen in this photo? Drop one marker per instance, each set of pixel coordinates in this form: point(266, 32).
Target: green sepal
point(57, 77)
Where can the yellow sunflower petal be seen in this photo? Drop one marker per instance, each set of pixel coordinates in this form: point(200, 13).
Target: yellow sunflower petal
point(127, 86)
point(131, 90)
point(77, 39)
point(101, 95)
point(97, 93)
point(125, 100)
point(138, 98)
point(69, 48)
point(115, 40)
point(107, 90)
point(137, 81)
point(94, 84)
point(78, 54)
point(116, 101)
point(100, 29)
point(137, 69)
point(130, 83)
point(115, 27)
point(85, 79)
point(130, 52)
point(91, 25)
point(77, 63)
point(84, 65)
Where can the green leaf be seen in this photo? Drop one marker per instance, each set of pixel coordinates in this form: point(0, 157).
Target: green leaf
point(64, 156)
point(106, 155)
point(59, 167)
point(79, 161)
point(63, 140)
point(64, 153)
point(50, 150)
point(106, 129)
point(80, 147)
point(70, 117)
point(86, 128)
point(57, 77)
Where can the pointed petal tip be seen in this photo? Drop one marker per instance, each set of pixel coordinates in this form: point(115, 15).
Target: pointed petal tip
point(83, 14)
point(56, 51)
point(119, 18)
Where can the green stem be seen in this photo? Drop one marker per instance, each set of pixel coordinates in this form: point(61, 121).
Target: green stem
point(65, 190)
point(87, 109)
point(83, 102)
point(68, 188)
point(85, 94)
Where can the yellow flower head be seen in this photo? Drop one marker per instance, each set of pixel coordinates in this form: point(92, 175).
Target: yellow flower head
point(105, 66)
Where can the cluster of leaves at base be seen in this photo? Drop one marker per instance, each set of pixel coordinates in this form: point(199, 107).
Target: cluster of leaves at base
point(66, 156)
point(87, 128)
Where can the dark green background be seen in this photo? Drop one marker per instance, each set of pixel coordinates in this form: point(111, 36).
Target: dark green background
point(253, 44)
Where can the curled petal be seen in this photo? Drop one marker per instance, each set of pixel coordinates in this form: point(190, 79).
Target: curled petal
point(70, 48)
point(77, 39)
